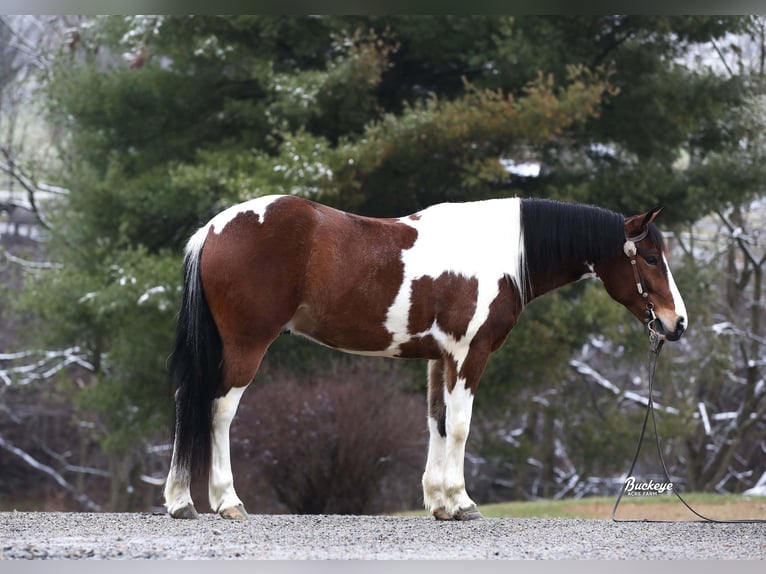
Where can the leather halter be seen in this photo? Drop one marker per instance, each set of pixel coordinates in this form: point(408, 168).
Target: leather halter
point(631, 251)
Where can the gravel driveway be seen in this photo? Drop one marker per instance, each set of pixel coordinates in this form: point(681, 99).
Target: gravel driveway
point(43, 535)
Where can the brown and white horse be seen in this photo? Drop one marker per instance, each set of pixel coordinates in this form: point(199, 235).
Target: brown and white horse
point(446, 284)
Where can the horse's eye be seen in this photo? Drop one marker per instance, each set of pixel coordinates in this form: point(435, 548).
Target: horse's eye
point(651, 259)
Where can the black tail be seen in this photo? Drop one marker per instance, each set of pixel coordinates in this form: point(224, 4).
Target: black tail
point(195, 371)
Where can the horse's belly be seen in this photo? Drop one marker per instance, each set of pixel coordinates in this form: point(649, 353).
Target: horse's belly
point(342, 330)
point(357, 334)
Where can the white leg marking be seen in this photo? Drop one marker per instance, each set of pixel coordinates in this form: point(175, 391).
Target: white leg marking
point(221, 484)
point(177, 493)
point(459, 407)
point(433, 477)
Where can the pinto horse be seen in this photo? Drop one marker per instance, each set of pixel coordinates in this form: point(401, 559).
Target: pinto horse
point(446, 284)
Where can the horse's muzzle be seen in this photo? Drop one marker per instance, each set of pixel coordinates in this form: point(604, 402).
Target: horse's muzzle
point(675, 334)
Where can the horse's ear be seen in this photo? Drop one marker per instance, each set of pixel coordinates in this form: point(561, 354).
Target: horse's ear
point(638, 223)
point(650, 215)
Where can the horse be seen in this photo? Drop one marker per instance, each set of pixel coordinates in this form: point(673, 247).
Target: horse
point(446, 284)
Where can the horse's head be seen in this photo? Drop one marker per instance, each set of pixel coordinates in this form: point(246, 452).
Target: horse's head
point(641, 278)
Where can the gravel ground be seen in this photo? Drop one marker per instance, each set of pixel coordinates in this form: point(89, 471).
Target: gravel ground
point(42, 535)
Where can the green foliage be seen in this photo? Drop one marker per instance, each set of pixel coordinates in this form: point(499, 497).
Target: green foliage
point(122, 315)
point(449, 150)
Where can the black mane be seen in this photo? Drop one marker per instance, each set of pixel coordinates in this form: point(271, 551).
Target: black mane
point(556, 232)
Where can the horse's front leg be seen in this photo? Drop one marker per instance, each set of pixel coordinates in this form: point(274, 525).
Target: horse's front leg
point(451, 391)
point(433, 477)
point(223, 498)
point(459, 405)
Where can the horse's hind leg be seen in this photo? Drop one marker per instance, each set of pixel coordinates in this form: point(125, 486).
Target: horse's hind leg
point(239, 370)
point(223, 497)
point(178, 492)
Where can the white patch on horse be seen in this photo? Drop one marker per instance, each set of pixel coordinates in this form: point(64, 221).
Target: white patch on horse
point(257, 206)
point(478, 239)
point(591, 274)
point(678, 301)
point(220, 221)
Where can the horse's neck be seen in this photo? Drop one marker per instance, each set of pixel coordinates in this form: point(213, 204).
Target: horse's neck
point(560, 239)
point(564, 274)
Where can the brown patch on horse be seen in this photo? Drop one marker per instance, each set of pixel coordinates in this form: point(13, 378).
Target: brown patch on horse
point(449, 300)
point(350, 313)
point(248, 319)
point(420, 348)
point(504, 311)
point(450, 372)
point(437, 410)
point(324, 273)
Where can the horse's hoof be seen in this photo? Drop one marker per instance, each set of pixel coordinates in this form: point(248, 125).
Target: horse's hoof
point(234, 513)
point(470, 513)
point(186, 512)
point(441, 514)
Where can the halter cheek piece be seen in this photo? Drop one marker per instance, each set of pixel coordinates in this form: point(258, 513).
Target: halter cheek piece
point(649, 316)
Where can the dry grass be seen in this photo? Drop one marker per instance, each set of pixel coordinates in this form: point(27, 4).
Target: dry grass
point(662, 507)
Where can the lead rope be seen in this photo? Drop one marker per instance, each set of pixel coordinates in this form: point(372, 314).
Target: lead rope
point(656, 342)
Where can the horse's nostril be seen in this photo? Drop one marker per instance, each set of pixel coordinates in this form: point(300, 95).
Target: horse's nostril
point(680, 327)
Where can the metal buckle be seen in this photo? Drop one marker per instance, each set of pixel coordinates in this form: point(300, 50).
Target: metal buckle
point(656, 338)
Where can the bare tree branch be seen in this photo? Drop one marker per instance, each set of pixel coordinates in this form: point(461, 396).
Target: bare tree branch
point(737, 236)
point(51, 362)
point(85, 501)
point(722, 58)
point(12, 169)
point(26, 263)
point(587, 371)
